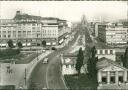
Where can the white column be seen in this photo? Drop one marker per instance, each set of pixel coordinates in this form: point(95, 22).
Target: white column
point(103, 51)
point(117, 77)
point(125, 76)
point(99, 77)
point(98, 51)
point(114, 52)
point(108, 77)
point(108, 51)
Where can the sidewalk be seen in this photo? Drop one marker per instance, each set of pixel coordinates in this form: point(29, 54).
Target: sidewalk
point(17, 77)
point(113, 87)
point(13, 78)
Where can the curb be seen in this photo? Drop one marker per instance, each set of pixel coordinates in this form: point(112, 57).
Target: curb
point(21, 83)
point(63, 79)
point(29, 74)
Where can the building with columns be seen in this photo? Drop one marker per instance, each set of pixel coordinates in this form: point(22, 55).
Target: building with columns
point(110, 73)
point(106, 52)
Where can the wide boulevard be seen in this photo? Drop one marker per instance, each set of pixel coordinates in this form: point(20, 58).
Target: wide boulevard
point(49, 75)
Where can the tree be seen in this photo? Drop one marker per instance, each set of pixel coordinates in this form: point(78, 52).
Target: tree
point(19, 44)
point(91, 63)
point(93, 52)
point(10, 43)
point(44, 43)
point(79, 61)
point(123, 61)
point(124, 58)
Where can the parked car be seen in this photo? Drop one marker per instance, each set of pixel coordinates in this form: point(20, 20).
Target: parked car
point(45, 60)
point(47, 48)
point(43, 50)
point(53, 48)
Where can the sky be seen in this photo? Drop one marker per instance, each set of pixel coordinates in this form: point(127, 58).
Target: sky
point(69, 10)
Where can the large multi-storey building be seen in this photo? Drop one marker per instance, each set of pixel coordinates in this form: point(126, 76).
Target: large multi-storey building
point(102, 32)
point(32, 30)
point(116, 34)
point(112, 33)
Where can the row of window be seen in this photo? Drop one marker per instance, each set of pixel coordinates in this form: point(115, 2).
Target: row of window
point(6, 27)
point(28, 35)
point(105, 52)
point(67, 66)
point(33, 24)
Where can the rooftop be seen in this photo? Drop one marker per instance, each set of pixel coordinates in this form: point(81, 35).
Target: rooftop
point(69, 59)
point(33, 17)
point(105, 62)
point(107, 47)
point(7, 21)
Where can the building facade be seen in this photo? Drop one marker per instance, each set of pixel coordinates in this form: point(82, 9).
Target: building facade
point(111, 74)
point(68, 63)
point(96, 29)
point(32, 30)
point(112, 33)
point(107, 53)
point(7, 31)
point(116, 34)
point(102, 32)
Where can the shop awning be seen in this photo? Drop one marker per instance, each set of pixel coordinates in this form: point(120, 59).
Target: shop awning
point(54, 43)
point(28, 44)
point(24, 44)
point(48, 43)
point(3, 44)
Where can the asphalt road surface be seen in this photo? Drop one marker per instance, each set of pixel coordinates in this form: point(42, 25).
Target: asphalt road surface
point(49, 75)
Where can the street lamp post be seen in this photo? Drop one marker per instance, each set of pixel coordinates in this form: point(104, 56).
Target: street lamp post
point(25, 76)
point(37, 49)
point(37, 56)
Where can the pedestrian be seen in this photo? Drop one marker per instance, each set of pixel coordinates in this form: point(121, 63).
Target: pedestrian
point(10, 70)
point(8, 67)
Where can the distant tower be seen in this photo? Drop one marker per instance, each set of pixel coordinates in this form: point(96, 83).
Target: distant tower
point(83, 20)
point(18, 12)
point(0, 10)
point(127, 11)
